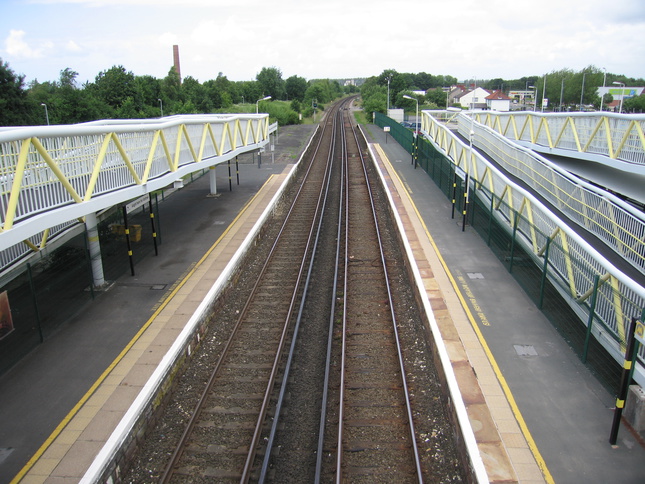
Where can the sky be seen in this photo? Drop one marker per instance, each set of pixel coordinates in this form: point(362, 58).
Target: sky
point(334, 39)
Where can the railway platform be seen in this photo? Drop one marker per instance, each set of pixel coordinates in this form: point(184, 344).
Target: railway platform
point(537, 417)
point(550, 412)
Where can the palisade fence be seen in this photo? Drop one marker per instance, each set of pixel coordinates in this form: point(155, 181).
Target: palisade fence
point(52, 289)
point(53, 176)
point(589, 301)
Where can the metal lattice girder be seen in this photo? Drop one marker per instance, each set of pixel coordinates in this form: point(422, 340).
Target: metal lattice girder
point(619, 138)
point(575, 262)
point(617, 223)
point(52, 175)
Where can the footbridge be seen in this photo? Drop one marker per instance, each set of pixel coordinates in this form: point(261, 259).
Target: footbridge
point(53, 178)
point(588, 243)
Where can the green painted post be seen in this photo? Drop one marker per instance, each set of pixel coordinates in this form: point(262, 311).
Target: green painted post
point(152, 224)
point(490, 218)
point(454, 193)
point(592, 314)
point(158, 217)
point(545, 268)
point(510, 266)
point(624, 382)
point(32, 287)
point(127, 239)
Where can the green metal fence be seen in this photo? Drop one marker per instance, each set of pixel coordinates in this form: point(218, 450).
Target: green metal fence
point(44, 294)
point(504, 228)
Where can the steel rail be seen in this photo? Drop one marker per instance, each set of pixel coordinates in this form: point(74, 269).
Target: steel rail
point(339, 449)
point(207, 390)
point(394, 323)
point(330, 337)
point(341, 410)
point(285, 377)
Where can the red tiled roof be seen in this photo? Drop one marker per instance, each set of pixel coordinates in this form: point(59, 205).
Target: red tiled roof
point(498, 96)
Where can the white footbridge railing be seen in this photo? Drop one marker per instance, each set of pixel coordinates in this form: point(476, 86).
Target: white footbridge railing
point(53, 176)
point(576, 268)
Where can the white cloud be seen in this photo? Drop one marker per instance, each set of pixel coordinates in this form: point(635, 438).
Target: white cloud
point(335, 38)
point(72, 46)
point(16, 46)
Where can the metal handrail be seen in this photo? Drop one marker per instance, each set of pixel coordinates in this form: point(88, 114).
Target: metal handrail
point(576, 263)
point(50, 175)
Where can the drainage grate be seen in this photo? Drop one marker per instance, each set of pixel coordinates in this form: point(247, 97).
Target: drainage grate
point(525, 350)
point(154, 287)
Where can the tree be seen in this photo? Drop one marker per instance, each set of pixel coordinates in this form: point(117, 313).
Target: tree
point(197, 95)
point(436, 96)
point(171, 88)
point(374, 97)
point(396, 82)
point(72, 105)
point(295, 88)
point(271, 83)
point(148, 93)
point(14, 105)
point(115, 85)
point(634, 104)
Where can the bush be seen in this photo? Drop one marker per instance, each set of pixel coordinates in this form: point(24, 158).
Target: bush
point(281, 112)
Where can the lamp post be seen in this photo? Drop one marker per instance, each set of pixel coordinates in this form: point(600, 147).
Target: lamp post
point(161, 106)
point(416, 127)
point(543, 92)
point(604, 81)
point(257, 103)
point(388, 95)
point(46, 113)
point(534, 97)
point(582, 93)
point(622, 94)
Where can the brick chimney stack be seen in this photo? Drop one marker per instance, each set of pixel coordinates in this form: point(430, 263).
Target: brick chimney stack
point(175, 56)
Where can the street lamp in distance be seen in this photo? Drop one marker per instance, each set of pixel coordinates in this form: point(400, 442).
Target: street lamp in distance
point(257, 103)
point(405, 96)
point(534, 97)
point(161, 106)
point(46, 113)
point(622, 94)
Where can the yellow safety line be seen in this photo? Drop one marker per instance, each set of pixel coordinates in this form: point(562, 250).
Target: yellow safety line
point(57, 431)
point(502, 381)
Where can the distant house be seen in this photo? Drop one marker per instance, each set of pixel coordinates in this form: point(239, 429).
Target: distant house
point(498, 101)
point(475, 98)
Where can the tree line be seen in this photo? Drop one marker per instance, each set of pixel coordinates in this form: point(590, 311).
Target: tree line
point(117, 93)
point(565, 89)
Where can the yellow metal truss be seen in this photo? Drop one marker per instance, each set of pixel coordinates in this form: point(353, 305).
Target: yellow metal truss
point(234, 132)
point(532, 125)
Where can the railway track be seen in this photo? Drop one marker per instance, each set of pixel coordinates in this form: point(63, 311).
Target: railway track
point(239, 390)
point(376, 438)
point(313, 383)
